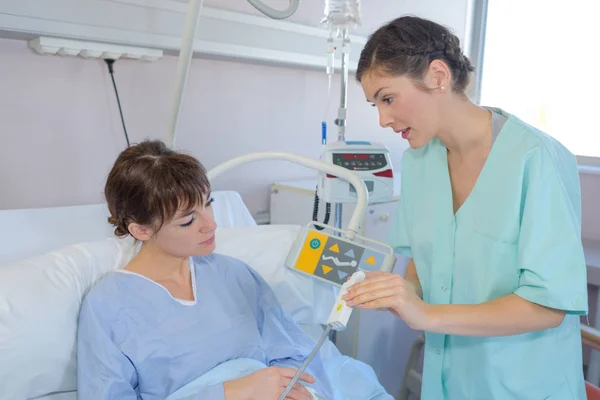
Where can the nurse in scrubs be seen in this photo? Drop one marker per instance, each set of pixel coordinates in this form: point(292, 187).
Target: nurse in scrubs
point(490, 217)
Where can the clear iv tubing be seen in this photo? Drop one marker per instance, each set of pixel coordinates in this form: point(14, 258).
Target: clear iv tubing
point(312, 355)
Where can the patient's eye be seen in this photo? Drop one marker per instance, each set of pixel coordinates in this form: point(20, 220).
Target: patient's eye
point(209, 202)
point(191, 221)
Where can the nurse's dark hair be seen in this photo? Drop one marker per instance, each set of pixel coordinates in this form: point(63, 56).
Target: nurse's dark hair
point(407, 45)
point(149, 183)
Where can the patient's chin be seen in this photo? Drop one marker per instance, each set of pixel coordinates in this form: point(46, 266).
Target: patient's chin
point(205, 249)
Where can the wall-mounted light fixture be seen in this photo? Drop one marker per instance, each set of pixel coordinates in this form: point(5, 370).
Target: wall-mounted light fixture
point(76, 48)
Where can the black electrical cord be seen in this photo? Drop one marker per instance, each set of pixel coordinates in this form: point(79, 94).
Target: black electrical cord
point(316, 212)
point(110, 63)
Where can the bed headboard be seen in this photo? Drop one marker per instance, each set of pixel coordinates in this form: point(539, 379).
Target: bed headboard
point(28, 232)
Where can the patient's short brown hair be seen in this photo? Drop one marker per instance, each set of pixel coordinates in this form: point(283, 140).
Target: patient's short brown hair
point(149, 183)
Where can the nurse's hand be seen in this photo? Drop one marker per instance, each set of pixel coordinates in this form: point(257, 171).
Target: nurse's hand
point(386, 291)
point(268, 384)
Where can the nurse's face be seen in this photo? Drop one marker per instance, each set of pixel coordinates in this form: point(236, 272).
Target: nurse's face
point(190, 233)
point(404, 107)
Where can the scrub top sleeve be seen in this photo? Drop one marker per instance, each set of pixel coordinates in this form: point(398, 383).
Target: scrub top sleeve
point(103, 371)
point(550, 254)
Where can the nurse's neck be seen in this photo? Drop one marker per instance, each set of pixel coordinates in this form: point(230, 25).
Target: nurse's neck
point(466, 129)
point(153, 263)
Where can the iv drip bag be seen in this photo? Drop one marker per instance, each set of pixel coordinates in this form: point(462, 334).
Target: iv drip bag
point(342, 13)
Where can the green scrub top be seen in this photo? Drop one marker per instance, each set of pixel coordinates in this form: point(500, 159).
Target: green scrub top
point(517, 232)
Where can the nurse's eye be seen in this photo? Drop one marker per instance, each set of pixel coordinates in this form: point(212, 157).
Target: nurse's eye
point(209, 202)
point(191, 221)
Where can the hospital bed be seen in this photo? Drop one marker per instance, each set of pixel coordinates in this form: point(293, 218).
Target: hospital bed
point(49, 258)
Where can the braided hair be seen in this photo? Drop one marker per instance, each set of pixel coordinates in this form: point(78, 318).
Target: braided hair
point(407, 45)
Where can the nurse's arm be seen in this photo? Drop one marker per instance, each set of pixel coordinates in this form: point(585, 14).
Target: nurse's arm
point(508, 315)
point(411, 277)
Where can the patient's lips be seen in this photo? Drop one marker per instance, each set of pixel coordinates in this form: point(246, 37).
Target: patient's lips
point(209, 241)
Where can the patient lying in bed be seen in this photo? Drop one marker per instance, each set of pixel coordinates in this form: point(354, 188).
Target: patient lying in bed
point(177, 311)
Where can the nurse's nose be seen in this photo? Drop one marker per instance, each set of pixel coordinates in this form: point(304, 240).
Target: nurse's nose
point(385, 120)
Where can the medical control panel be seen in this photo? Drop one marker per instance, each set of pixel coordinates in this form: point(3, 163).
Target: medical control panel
point(370, 161)
point(332, 258)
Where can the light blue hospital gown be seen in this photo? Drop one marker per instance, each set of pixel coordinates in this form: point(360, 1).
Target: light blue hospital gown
point(517, 232)
point(136, 341)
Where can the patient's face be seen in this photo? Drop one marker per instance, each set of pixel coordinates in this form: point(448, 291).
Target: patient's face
point(190, 233)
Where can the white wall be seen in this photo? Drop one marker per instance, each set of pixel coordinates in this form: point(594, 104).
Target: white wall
point(61, 128)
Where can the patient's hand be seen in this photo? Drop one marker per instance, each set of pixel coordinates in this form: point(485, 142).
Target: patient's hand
point(268, 384)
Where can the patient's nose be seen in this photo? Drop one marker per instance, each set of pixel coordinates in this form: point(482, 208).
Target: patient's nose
point(208, 222)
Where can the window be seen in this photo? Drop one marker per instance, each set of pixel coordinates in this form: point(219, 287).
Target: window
point(540, 62)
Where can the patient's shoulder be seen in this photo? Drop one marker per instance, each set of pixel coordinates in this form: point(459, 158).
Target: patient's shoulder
point(107, 290)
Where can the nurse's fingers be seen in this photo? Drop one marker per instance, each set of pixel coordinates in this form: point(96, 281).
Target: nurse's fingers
point(391, 292)
point(377, 283)
point(374, 274)
point(384, 303)
point(372, 289)
point(372, 277)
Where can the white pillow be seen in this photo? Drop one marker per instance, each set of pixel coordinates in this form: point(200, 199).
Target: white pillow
point(265, 248)
point(39, 306)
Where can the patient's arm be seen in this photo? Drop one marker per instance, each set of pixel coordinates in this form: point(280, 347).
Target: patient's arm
point(284, 342)
point(103, 371)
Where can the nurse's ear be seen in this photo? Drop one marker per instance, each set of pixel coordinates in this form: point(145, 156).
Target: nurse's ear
point(438, 77)
point(140, 232)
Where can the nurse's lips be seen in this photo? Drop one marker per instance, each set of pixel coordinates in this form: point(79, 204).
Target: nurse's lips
point(405, 132)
